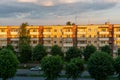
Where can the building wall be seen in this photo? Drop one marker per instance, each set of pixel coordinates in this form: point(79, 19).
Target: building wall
point(63, 36)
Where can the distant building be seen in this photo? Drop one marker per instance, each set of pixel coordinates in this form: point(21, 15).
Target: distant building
point(65, 36)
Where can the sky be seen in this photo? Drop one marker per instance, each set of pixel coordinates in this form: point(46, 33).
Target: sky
point(58, 12)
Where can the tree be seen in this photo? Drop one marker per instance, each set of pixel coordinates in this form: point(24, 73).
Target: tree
point(72, 52)
point(24, 43)
point(106, 49)
point(52, 66)
point(24, 35)
point(118, 51)
point(10, 47)
point(88, 51)
point(68, 23)
point(39, 51)
point(100, 65)
point(74, 68)
point(73, 23)
point(117, 66)
point(8, 64)
point(25, 53)
point(56, 50)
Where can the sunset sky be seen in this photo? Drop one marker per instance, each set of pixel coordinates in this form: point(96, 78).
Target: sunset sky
point(54, 12)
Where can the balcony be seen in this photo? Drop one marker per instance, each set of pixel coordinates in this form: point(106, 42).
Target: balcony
point(34, 33)
point(15, 39)
point(82, 39)
point(116, 32)
point(68, 39)
point(34, 39)
point(67, 45)
point(3, 33)
point(3, 38)
point(47, 39)
point(103, 32)
point(102, 44)
point(103, 39)
point(33, 45)
point(3, 44)
point(68, 32)
point(82, 45)
point(14, 33)
point(81, 32)
point(49, 44)
point(46, 32)
point(13, 44)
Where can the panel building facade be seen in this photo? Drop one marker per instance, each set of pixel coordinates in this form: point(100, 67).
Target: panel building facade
point(65, 36)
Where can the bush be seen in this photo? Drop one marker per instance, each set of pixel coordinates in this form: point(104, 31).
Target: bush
point(74, 68)
point(52, 66)
point(100, 65)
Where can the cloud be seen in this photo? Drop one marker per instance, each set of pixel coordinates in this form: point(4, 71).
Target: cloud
point(29, 1)
point(52, 8)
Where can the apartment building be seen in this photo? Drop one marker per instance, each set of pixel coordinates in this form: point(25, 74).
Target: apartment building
point(65, 36)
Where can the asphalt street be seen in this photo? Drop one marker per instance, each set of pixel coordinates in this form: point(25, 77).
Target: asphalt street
point(28, 72)
point(39, 78)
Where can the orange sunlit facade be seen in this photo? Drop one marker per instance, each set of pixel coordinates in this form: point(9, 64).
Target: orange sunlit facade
point(65, 36)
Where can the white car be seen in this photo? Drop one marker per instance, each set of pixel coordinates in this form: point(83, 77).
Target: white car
point(36, 68)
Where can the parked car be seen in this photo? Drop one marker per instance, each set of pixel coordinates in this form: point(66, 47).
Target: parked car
point(36, 68)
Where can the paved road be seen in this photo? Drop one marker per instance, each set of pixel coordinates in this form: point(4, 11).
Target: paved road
point(38, 78)
point(28, 72)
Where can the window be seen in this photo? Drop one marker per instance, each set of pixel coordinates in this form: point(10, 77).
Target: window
point(89, 42)
point(55, 30)
point(34, 42)
point(68, 36)
point(89, 36)
point(54, 41)
point(103, 30)
point(67, 30)
point(83, 35)
point(55, 36)
point(14, 30)
point(60, 41)
point(118, 29)
point(48, 30)
point(89, 30)
point(2, 30)
point(34, 36)
point(34, 30)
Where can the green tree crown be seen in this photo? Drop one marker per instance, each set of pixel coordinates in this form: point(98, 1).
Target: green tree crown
point(100, 65)
point(8, 64)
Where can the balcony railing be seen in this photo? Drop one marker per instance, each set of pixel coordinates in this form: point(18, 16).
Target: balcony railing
point(47, 39)
point(104, 32)
point(103, 39)
point(46, 32)
point(82, 44)
point(47, 44)
point(82, 38)
point(81, 32)
point(68, 44)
